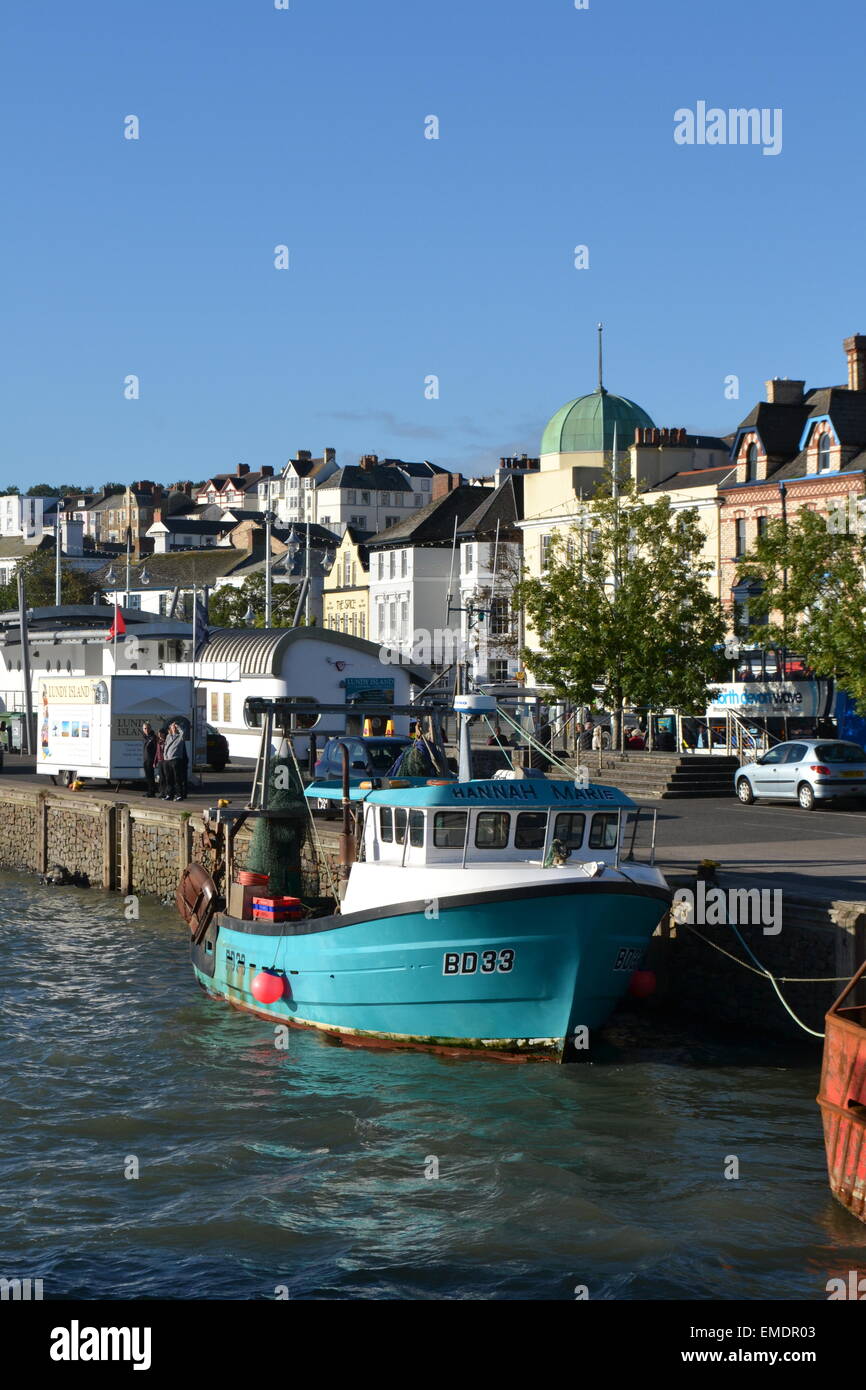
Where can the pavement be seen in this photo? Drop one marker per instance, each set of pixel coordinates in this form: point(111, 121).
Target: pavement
point(234, 783)
point(773, 844)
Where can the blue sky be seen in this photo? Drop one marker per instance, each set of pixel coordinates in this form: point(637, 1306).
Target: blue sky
point(409, 257)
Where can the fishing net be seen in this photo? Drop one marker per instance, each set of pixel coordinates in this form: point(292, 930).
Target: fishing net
point(277, 843)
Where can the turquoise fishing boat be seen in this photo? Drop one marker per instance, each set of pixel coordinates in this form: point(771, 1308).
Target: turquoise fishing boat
point(502, 916)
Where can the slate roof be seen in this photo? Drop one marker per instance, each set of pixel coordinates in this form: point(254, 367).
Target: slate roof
point(779, 426)
point(379, 478)
point(847, 410)
point(434, 524)
point(695, 477)
point(185, 567)
point(503, 504)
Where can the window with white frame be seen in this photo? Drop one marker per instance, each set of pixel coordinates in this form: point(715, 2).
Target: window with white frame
point(500, 618)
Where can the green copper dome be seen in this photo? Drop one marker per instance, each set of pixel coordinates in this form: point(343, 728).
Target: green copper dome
point(587, 424)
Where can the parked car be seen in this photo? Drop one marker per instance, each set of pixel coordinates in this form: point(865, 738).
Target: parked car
point(806, 770)
point(217, 749)
point(368, 757)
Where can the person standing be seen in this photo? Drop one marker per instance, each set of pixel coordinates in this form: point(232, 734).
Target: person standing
point(172, 754)
point(182, 769)
point(159, 764)
point(149, 758)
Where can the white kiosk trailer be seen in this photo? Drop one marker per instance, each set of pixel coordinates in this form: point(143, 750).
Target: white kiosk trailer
point(90, 726)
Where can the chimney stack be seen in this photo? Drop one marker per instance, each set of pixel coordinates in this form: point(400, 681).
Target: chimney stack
point(444, 483)
point(243, 468)
point(855, 349)
point(782, 391)
point(267, 470)
point(368, 461)
point(330, 455)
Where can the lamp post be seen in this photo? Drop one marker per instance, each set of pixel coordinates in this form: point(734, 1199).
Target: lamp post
point(269, 519)
point(57, 539)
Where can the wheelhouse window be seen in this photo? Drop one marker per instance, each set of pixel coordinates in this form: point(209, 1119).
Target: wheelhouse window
point(449, 829)
point(386, 825)
point(531, 829)
point(603, 832)
point(569, 827)
point(400, 818)
point(492, 829)
point(416, 829)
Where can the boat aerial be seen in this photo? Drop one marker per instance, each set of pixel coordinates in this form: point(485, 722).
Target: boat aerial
point(500, 915)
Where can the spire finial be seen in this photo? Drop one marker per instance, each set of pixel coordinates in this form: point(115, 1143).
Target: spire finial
point(600, 333)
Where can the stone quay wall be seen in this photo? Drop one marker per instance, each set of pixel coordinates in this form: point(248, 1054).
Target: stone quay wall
point(820, 945)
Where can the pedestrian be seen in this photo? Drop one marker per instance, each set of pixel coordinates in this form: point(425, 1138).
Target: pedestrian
point(597, 739)
point(159, 764)
point(587, 735)
point(148, 758)
point(172, 757)
point(182, 770)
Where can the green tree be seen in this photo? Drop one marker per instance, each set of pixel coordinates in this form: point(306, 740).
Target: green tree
point(43, 490)
point(623, 611)
point(228, 605)
point(77, 586)
point(813, 569)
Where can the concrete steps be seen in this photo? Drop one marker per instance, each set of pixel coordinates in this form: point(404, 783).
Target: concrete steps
point(661, 776)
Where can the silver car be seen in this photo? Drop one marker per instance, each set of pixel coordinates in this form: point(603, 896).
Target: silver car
point(806, 770)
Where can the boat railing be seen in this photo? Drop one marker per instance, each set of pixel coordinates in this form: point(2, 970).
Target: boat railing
point(642, 837)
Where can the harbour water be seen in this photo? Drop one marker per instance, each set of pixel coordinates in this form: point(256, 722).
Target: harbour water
point(318, 1171)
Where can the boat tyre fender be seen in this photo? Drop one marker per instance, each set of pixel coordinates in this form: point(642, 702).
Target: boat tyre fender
point(197, 900)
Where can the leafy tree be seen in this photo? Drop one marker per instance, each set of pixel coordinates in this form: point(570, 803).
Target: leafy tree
point(43, 490)
point(623, 609)
point(813, 569)
point(11, 491)
point(77, 586)
point(229, 604)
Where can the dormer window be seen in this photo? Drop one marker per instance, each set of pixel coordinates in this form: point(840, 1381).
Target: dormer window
point(825, 443)
point(752, 463)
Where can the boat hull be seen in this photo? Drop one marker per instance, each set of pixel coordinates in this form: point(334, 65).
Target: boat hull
point(842, 1098)
point(506, 973)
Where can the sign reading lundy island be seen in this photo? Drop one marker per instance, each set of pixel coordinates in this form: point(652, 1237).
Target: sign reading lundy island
point(73, 692)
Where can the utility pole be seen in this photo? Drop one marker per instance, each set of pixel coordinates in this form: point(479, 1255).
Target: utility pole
point(57, 540)
point(25, 664)
point(269, 517)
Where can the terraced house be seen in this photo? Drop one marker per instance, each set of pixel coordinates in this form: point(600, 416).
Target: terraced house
point(798, 448)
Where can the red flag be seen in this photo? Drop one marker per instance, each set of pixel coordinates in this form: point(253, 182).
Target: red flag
point(118, 626)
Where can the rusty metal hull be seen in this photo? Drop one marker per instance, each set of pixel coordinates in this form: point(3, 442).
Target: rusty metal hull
point(842, 1098)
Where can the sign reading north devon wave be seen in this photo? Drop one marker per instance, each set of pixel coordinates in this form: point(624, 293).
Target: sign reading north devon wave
point(91, 726)
point(811, 699)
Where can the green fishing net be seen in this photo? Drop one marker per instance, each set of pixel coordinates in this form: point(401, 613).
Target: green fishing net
point(277, 843)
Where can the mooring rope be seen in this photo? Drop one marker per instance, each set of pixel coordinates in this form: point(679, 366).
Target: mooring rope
point(762, 970)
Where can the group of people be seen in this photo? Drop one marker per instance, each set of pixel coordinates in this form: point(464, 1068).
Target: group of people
point(166, 763)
